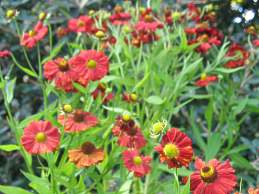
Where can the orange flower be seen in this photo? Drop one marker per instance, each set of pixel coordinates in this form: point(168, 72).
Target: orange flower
point(77, 121)
point(85, 156)
point(253, 191)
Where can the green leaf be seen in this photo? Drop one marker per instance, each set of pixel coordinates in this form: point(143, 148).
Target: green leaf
point(225, 70)
point(156, 100)
point(186, 188)
point(54, 51)
point(240, 106)
point(208, 114)
point(13, 190)
point(9, 147)
point(80, 88)
point(9, 89)
point(109, 78)
point(241, 162)
point(141, 83)
point(125, 188)
point(213, 146)
point(39, 184)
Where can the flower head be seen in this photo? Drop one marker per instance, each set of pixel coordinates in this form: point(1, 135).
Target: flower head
point(175, 149)
point(77, 121)
point(241, 54)
point(40, 137)
point(81, 24)
point(119, 17)
point(31, 38)
point(59, 70)
point(91, 65)
point(5, 53)
point(213, 177)
point(136, 163)
point(128, 133)
point(206, 80)
point(85, 156)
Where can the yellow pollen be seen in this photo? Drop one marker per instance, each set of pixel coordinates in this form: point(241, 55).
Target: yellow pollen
point(137, 160)
point(133, 97)
point(80, 23)
point(207, 172)
point(171, 150)
point(126, 117)
point(32, 33)
point(41, 137)
point(67, 108)
point(91, 64)
point(203, 76)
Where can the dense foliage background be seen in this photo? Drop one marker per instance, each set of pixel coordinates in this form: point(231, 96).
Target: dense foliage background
point(232, 19)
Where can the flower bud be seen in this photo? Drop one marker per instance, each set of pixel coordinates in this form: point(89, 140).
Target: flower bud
point(99, 34)
point(67, 108)
point(10, 13)
point(42, 15)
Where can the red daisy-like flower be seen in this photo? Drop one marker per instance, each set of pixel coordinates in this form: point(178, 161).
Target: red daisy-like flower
point(59, 70)
point(136, 163)
point(206, 80)
point(91, 65)
point(62, 31)
point(81, 24)
point(132, 138)
point(242, 56)
point(128, 133)
point(175, 149)
point(194, 12)
point(77, 121)
point(147, 21)
point(256, 42)
point(119, 17)
point(40, 137)
point(31, 38)
point(4, 53)
point(213, 177)
point(101, 90)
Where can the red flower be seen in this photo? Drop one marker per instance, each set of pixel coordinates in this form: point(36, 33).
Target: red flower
point(147, 22)
point(213, 177)
point(77, 121)
point(193, 12)
point(253, 190)
point(256, 42)
point(129, 135)
point(136, 163)
point(4, 53)
point(101, 90)
point(205, 35)
point(132, 138)
point(31, 38)
point(59, 70)
point(175, 149)
point(234, 50)
point(81, 24)
point(40, 137)
point(206, 80)
point(120, 18)
point(91, 65)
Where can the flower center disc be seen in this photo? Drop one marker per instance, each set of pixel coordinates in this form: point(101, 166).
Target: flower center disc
point(32, 33)
point(63, 65)
point(91, 64)
point(171, 150)
point(208, 174)
point(80, 23)
point(41, 137)
point(148, 18)
point(79, 116)
point(88, 148)
point(137, 160)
